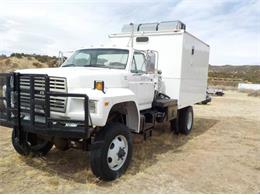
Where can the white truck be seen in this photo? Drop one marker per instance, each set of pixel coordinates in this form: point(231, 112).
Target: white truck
point(151, 73)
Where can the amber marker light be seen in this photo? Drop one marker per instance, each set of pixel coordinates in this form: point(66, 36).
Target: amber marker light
point(99, 85)
point(106, 104)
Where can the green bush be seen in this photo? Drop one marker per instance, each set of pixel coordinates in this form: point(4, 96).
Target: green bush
point(17, 55)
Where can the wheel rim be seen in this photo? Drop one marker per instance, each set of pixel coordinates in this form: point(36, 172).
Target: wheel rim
point(117, 152)
point(189, 121)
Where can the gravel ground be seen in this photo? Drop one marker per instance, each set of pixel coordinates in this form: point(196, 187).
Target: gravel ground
point(221, 155)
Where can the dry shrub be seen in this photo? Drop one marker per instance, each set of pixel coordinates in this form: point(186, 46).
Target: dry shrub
point(7, 62)
point(250, 92)
point(255, 93)
point(52, 63)
point(246, 90)
point(2, 56)
point(37, 65)
point(224, 87)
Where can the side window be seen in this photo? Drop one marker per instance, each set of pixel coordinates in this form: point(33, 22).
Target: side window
point(138, 63)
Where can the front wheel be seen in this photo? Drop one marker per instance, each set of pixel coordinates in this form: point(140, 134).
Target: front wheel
point(22, 149)
point(111, 160)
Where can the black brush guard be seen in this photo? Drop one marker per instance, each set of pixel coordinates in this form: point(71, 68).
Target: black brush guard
point(12, 113)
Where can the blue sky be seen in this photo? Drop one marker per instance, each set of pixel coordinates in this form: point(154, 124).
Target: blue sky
point(230, 27)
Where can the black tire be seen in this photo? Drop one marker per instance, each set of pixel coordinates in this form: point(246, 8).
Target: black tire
point(99, 157)
point(204, 102)
point(219, 93)
point(37, 145)
point(174, 126)
point(20, 149)
point(186, 120)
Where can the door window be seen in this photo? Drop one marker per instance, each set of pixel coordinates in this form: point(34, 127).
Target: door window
point(151, 60)
point(138, 63)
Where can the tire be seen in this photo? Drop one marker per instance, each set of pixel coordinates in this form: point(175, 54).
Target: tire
point(104, 164)
point(186, 120)
point(20, 149)
point(174, 127)
point(204, 102)
point(36, 145)
point(219, 93)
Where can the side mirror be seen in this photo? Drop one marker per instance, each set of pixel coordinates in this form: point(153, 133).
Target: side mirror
point(150, 62)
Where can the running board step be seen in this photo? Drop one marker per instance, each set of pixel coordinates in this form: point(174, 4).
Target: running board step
point(148, 133)
point(147, 122)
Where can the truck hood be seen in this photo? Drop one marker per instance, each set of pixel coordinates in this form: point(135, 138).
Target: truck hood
point(82, 77)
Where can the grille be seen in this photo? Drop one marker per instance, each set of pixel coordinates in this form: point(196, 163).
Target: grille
point(57, 84)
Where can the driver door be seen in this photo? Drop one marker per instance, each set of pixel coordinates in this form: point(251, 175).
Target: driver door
point(140, 81)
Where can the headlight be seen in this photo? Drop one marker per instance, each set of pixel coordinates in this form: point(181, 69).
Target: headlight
point(92, 106)
point(4, 90)
point(4, 95)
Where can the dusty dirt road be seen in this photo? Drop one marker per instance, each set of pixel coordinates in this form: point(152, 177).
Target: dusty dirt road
point(221, 155)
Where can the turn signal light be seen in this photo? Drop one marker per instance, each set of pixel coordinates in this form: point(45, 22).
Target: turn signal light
point(99, 85)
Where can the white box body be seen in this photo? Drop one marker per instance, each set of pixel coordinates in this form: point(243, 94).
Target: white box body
point(184, 74)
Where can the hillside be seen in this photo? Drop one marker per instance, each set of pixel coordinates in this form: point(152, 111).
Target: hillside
point(23, 61)
point(218, 75)
point(232, 75)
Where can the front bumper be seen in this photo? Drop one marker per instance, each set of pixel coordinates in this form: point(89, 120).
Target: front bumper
point(12, 115)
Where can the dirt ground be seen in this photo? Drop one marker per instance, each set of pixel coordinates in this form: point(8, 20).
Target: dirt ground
point(221, 155)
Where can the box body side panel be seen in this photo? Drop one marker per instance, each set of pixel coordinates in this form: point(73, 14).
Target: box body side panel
point(194, 71)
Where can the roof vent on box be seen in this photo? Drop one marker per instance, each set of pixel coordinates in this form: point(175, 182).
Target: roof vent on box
point(171, 26)
point(148, 27)
point(154, 27)
point(128, 28)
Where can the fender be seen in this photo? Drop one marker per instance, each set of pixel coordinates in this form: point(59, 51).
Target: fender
point(104, 102)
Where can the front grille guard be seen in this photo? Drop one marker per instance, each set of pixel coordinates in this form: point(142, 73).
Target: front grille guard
point(11, 109)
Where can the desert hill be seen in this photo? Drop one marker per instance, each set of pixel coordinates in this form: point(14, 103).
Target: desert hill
point(227, 75)
point(23, 61)
point(233, 74)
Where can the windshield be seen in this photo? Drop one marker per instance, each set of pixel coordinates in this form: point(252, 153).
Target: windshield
point(103, 58)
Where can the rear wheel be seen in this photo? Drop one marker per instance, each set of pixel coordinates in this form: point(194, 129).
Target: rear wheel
point(111, 160)
point(174, 126)
point(34, 144)
point(186, 120)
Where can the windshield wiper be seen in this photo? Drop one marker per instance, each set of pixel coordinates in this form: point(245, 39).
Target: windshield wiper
point(68, 65)
point(96, 65)
point(86, 65)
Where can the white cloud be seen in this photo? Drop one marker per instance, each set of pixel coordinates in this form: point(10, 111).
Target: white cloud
point(231, 27)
